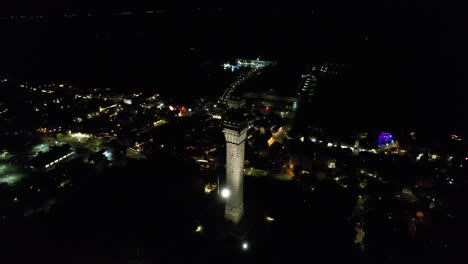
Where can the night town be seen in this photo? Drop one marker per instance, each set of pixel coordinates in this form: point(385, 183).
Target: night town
point(223, 132)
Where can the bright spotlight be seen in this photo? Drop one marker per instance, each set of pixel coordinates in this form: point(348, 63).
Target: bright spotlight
point(245, 246)
point(225, 193)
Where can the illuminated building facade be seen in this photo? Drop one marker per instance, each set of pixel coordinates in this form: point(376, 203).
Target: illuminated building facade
point(235, 131)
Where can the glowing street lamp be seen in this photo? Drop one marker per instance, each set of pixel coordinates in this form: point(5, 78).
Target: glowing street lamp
point(245, 246)
point(225, 193)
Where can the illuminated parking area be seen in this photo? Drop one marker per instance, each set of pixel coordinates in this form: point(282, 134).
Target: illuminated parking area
point(5, 156)
point(90, 142)
point(10, 174)
point(11, 179)
point(42, 147)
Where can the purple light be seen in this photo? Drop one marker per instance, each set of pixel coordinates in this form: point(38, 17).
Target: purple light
point(384, 139)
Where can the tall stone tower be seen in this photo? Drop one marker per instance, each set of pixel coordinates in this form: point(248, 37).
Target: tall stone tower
point(235, 131)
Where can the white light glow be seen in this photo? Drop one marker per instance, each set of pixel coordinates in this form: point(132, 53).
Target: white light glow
point(108, 154)
point(418, 158)
point(80, 135)
point(225, 193)
point(245, 246)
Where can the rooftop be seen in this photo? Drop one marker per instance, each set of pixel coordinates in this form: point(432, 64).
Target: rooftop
point(46, 158)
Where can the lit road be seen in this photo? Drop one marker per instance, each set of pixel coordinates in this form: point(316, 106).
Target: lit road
point(239, 81)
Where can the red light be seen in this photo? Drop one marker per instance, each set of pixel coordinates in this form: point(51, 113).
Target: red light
point(267, 108)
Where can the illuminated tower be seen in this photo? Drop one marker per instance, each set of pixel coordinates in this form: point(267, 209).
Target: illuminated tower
point(235, 131)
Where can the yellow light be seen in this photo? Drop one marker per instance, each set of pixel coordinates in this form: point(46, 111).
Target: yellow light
point(269, 219)
point(159, 122)
point(271, 141)
point(199, 229)
point(61, 85)
point(64, 183)
point(210, 187)
point(80, 135)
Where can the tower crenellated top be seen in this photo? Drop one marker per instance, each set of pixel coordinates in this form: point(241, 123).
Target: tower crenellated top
point(236, 119)
point(235, 102)
point(235, 125)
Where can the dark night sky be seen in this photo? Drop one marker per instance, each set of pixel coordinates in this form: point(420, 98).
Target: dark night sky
point(414, 56)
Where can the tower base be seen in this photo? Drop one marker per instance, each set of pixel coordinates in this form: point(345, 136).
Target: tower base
point(243, 227)
point(234, 214)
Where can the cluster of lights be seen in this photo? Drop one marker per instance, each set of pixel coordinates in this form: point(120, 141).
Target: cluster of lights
point(228, 66)
point(209, 187)
point(385, 139)
point(79, 135)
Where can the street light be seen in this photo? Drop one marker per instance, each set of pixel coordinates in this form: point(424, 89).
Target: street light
point(225, 193)
point(245, 246)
